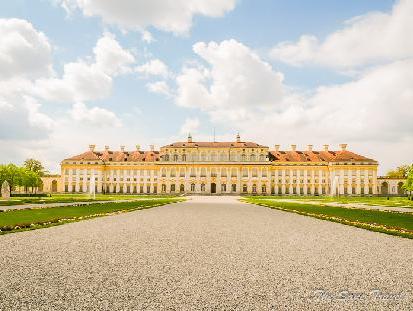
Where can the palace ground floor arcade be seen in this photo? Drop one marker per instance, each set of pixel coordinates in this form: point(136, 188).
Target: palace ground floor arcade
point(266, 180)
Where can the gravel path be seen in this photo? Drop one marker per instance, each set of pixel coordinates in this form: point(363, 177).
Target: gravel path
point(209, 253)
point(350, 205)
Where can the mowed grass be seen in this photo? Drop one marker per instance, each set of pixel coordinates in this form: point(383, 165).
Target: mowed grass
point(383, 221)
point(381, 201)
point(18, 220)
point(69, 198)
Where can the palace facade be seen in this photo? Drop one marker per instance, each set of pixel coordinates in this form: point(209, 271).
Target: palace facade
point(236, 167)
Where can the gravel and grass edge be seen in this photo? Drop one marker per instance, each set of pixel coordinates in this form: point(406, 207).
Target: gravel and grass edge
point(368, 226)
point(61, 221)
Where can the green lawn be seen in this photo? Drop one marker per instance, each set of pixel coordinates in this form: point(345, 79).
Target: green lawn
point(388, 222)
point(383, 201)
point(66, 198)
point(18, 220)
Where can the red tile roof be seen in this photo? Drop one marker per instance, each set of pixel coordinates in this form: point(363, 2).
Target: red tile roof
point(317, 156)
point(117, 156)
point(274, 156)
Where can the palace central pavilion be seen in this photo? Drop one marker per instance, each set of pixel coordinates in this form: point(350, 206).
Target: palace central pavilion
point(220, 168)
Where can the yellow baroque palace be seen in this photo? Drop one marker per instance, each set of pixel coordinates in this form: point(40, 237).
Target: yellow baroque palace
point(236, 167)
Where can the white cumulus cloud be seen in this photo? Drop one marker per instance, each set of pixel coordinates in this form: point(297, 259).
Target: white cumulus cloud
point(154, 67)
point(368, 39)
point(235, 80)
point(94, 116)
point(84, 80)
point(167, 15)
point(24, 51)
point(160, 87)
point(190, 125)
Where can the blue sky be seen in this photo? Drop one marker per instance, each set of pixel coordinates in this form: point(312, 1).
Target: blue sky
point(306, 77)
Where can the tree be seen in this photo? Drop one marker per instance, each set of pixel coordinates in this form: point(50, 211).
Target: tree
point(12, 174)
point(30, 179)
point(19, 176)
point(400, 172)
point(408, 184)
point(34, 166)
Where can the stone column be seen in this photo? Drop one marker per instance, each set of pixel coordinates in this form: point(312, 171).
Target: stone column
point(341, 183)
point(374, 181)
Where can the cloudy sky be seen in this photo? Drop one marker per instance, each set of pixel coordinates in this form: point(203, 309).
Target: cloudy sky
point(127, 72)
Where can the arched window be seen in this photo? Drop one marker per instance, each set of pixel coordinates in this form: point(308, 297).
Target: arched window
point(166, 157)
point(203, 156)
point(173, 173)
point(213, 157)
point(234, 172)
point(193, 157)
point(163, 172)
point(223, 188)
point(234, 187)
point(244, 188)
point(244, 172)
point(263, 189)
point(181, 188)
point(182, 172)
point(223, 157)
point(192, 187)
point(223, 172)
point(173, 188)
point(213, 172)
point(243, 157)
point(262, 157)
point(252, 157)
point(184, 157)
point(254, 188)
point(254, 172)
point(192, 172)
point(175, 157)
point(163, 188)
point(203, 187)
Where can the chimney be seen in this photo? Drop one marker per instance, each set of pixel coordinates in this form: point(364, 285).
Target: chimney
point(343, 147)
point(106, 148)
point(238, 138)
point(152, 147)
point(189, 138)
point(277, 148)
point(138, 147)
point(92, 147)
point(310, 147)
point(293, 147)
point(122, 148)
point(325, 147)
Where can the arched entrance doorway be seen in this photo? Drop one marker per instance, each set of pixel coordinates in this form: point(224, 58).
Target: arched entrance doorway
point(384, 188)
point(213, 188)
point(54, 186)
point(400, 190)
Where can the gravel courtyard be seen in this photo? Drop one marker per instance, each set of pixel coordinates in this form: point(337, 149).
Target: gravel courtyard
point(209, 253)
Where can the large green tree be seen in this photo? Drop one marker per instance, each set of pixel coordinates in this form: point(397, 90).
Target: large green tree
point(408, 184)
point(400, 172)
point(12, 174)
point(19, 177)
point(34, 166)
